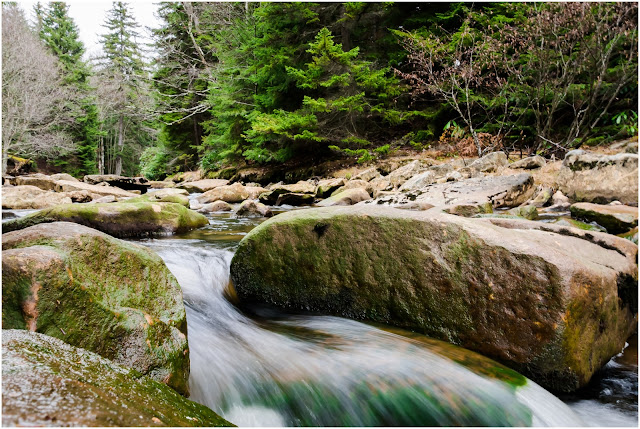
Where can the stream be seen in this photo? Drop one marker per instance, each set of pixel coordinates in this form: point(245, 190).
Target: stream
point(266, 368)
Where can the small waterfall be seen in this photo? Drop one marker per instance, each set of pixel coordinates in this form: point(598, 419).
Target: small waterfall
point(283, 370)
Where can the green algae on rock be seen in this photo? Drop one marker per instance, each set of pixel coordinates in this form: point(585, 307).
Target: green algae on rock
point(130, 219)
point(163, 196)
point(46, 382)
point(553, 306)
point(616, 219)
point(112, 297)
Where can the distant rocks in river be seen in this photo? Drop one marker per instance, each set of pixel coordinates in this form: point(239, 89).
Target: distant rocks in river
point(94, 291)
point(553, 302)
point(46, 382)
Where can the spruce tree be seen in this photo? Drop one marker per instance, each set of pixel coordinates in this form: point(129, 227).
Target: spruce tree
point(60, 35)
point(122, 74)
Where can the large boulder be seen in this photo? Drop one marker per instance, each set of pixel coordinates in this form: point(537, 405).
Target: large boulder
point(94, 291)
point(327, 186)
point(530, 163)
point(235, 193)
point(400, 175)
point(595, 178)
point(70, 186)
point(137, 219)
point(46, 382)
point(129, 183)
point(368, 175)
point(31, 197)
point(252, 208)
point(46, 183)
point(64, 176)
point(553, 304)
point(482, 193)
point(616, 219)
point(202, 185)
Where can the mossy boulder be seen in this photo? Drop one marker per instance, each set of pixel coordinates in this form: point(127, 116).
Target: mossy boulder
point(130, 219)
point(46, 382)
point(346, 198)
point(554, 306)
point(616, 219)
point(94, 291)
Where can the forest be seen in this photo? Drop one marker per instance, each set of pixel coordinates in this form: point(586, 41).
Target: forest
point(245, 83)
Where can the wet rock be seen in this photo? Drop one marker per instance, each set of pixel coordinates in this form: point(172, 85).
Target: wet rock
point(125, 219)
point(368, 175)
point(109, 296)
point(616, 219)
point(508, 290)
point(46, 382)
point(529, 163)
point(346, 198)
point(543, 197)
point(69, 186)
point(595, 178)
point(578, 224)
point(32, 197)
point(202, 185)
point(327, 186)
point(216, 206)
point(235, 193)
point(9, 215)
point(252, 208)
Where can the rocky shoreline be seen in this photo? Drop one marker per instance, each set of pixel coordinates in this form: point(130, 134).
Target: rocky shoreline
point(449, 249)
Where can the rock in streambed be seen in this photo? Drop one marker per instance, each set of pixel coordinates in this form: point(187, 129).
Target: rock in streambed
point(97, 292)
point(555, 305)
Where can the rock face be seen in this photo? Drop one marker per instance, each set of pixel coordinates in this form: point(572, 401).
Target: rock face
point(616, 219)
point(594, 178)
point(203, 185)
point(137, 219)
point(554, 304)
point(94, 291)
point(46, 382)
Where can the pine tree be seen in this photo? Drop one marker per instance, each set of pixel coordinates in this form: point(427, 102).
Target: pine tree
point(60, 34)
point(122, 76)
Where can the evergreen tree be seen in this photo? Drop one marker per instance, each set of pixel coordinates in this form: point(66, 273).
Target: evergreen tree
point(60, 34)
point(122, 76)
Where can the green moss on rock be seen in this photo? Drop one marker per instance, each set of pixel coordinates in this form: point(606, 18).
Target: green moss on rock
point(47, 382)
point(93, 291)
point(130, 219)
point(499, 291)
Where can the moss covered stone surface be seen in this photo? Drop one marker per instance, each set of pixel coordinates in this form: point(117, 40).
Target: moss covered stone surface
point(46, 382)
point(126, 219)
point(93, 291)
point(508, 293)
point(161, 197)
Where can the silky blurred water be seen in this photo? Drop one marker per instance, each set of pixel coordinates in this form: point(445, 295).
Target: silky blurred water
point(274, 369)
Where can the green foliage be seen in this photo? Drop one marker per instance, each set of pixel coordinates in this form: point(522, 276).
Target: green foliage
point(153, 163)
point(628, 122)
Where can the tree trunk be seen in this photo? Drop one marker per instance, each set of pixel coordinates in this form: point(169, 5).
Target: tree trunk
point(5, 159)
point(120, 146)
point(101, 155)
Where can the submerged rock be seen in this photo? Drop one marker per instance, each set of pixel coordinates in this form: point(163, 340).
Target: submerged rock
point(555, 304)
point(46, 382)
point(616, 219)
point(94, 291)
point(137, 219)
point(595, 178)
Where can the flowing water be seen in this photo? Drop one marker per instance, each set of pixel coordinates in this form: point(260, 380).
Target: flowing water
point(272, 369)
